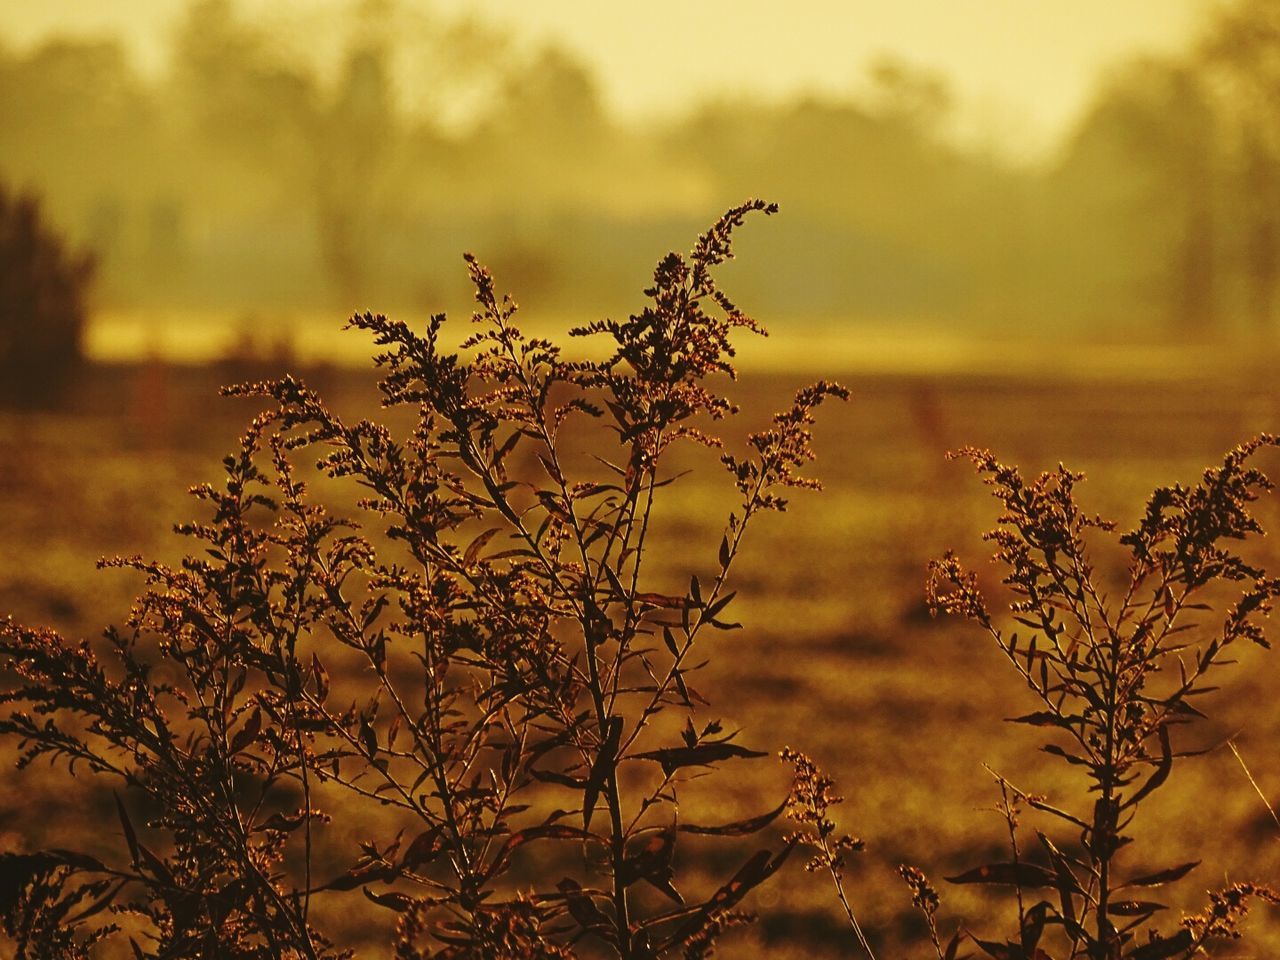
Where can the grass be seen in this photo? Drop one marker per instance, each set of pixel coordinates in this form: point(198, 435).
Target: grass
point(839, 657)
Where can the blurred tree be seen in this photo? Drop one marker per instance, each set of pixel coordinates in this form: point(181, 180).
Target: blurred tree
point(1242, 52)
point(297, 159)
point(357, 134)
point(916, 98)
point(1258, 177)
point(542, 164)
point(324, 147)
point(76, 125)
point(43, 286)
point(545, 134)
point(886, 216)
point(553, 97)
point(1137, 189)
point(341, 142)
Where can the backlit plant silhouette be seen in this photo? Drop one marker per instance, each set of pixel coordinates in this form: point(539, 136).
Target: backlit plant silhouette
point(1116, 675)
point(43, 287)
point(445, 633)
point(478, 674)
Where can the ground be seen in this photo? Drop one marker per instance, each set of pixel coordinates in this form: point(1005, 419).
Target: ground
point(839, 656)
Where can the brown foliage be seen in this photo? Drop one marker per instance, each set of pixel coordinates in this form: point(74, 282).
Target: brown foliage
point(511, 664)
point(469, 657)
point(1115, 680)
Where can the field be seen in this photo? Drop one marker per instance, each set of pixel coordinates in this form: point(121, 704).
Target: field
point(839, 656)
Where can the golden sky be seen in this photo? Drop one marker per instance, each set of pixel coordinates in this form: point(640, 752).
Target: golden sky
point(1021, 69)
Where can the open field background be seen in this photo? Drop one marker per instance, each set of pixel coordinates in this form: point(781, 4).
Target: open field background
point(1051, 229)
point(839, 656)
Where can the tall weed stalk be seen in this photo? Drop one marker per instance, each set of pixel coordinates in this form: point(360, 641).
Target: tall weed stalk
point(1116, 676)
point(485, 684)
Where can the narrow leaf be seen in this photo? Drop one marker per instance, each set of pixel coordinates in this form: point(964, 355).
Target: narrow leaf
point(130, 836)
point(1161, 773)
point(1011, 874)
point(672, 758)
point(601, 769)
point(1168, 947)
point(1134, 908)
point(399, 902)
point(476, 545)
point(738, 828)
point(1163, 876)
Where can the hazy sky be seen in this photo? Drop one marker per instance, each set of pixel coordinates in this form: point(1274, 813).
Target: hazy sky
point(1018, 67)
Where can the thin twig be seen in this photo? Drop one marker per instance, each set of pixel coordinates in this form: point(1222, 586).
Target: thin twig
point(1261, 796)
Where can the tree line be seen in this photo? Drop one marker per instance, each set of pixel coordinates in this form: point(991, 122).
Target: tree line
point(267, 167)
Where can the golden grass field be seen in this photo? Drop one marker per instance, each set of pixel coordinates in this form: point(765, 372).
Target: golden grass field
point(838, 657)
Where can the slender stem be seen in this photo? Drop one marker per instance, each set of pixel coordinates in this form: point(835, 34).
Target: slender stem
point(836, 878)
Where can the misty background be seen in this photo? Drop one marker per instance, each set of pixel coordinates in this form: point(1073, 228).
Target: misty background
point(266, 176)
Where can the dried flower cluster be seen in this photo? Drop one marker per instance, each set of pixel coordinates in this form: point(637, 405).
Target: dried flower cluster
point(472, 665)
point(809, 804)
point(1114, 680)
